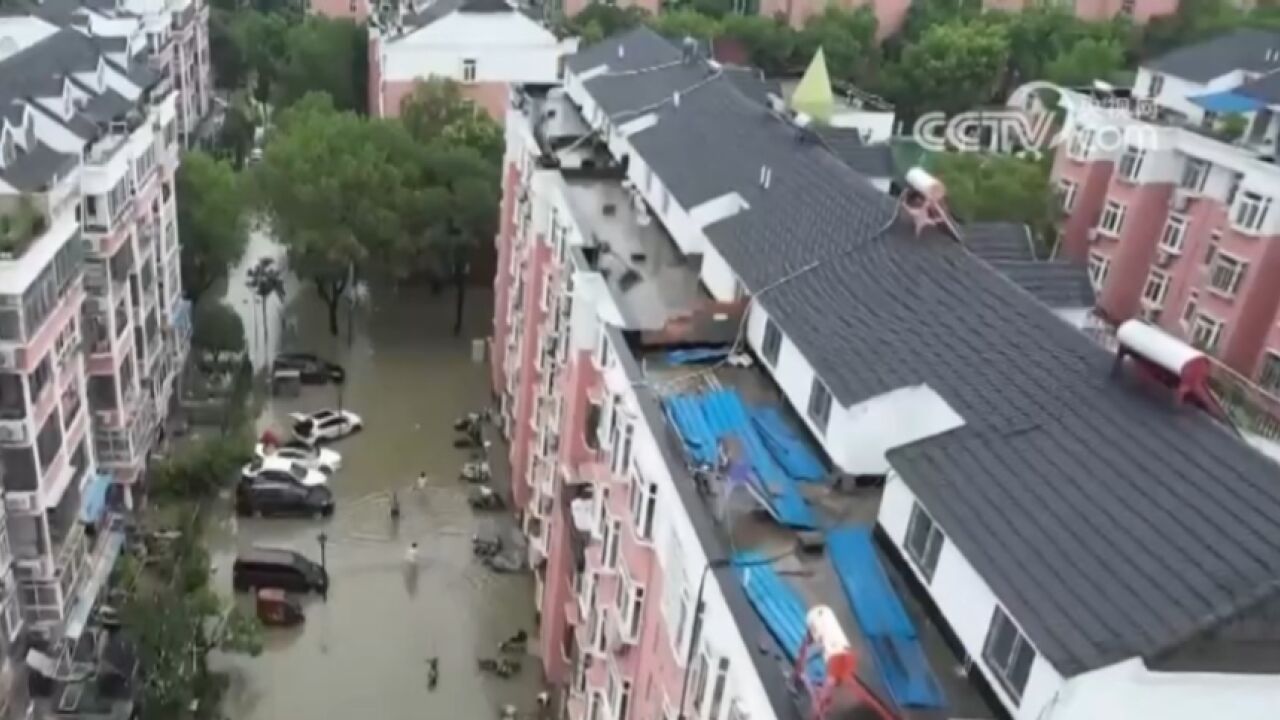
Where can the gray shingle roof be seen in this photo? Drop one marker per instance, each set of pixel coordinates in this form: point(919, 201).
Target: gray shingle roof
point(640, 48)
point(999, 241)
point(1242, 49)
point(1109, 522)
point(1057, 283)
point(1265, 88)
point(33, 171)
point(874, 161)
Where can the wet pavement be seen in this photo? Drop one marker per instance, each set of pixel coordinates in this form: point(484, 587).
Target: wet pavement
point(363, 652)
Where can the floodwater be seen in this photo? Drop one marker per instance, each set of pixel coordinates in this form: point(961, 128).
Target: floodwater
point(364, 651)
point(262, 328)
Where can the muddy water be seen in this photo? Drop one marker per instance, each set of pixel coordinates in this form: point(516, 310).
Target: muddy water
point(362, 654)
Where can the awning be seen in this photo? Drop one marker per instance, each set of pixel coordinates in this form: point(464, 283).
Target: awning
point(94, 500)
point(1227, 101)
point(105, 560)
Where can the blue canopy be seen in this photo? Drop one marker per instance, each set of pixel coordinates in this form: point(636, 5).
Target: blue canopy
point(1227, 101)
point(94, 500)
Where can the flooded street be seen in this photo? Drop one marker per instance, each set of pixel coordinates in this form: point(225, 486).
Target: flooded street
point(364, 651)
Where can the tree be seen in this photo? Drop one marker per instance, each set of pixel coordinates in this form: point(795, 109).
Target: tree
point(1088, 60)
point(679, 24)
point(847, 38)
point(260, 40)
point(436, 110)
point(987, 187)
point(954, 67)
point(266, 279)
point(598, 21)
point(239, 123)
point(230, 70)
point(1193, 21)
point(338, 189)
point(324, 55)
point(217, 332)
point(211, 220)
point(770, 43)
point(197, 471)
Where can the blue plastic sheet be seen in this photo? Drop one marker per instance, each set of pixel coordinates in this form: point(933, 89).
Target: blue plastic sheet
point(786, 446)
point(694, 356)
point(779, 607)
point(884, 623)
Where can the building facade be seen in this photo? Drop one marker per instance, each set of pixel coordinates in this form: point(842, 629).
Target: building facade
point(484, 45)
point(93, 327)
point(1173, 212)
point(910, 366)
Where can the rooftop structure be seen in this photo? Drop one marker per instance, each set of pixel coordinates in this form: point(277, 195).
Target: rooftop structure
point(1073, 529)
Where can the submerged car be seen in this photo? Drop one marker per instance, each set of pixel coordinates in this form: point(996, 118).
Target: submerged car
point(283, 470)
point(312, 458)
point(261, 567)
point(268, 497)
point(325, 425)
point(312, 370)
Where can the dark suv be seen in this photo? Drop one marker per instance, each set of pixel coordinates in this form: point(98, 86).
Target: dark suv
point(275, 497)
point(273, 568)
point(311, 370)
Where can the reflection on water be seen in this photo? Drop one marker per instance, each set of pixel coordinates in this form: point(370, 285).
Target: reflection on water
point(363, 652)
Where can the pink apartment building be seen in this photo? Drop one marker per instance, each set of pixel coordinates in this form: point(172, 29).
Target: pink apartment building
point(906, 363)
point(485, 45)
point(1097, 10)
point(1174, 218)
point(93, 328)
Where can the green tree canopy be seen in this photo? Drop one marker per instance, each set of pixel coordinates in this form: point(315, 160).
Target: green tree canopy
point(217, 331)
point(436, 110)
point(324, 55)
point(1088, 60)
point(847, 38)
point(211, 221)
point(952, 68)
point(988, 187)
point(338, 189)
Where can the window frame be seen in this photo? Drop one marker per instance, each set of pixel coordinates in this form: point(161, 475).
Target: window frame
point(470, 69)
point(1160, 280)
point(1005, 670)
point(1211, 327)
point(1116, 211)
point(1254, 205)
point(1269, 369)
point(925, 558)
point(1173, 236)
point(1129, 167)
point(1195, 173)
point(818, 409)
point(1098, 267)
point(771, 342)
point(1235, 269)
point(1069, 189)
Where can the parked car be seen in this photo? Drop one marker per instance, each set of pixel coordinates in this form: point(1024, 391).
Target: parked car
point(325, 425)
point(273, 497)
point(277, 568)
point(312, 369)
point(312, 458)
point(280, 469)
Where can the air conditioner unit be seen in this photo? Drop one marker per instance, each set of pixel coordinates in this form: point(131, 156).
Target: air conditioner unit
point(12, 433)
point(1164, 258)
point(8, 359)
point(1093, 235)
point(1179, 201)
point(1151, 313)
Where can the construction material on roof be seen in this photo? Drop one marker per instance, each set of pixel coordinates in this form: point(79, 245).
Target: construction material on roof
point(703, 420)
point(779, 607)
point(890, 635)
point(693, 356)
point(1227, 101)
point(786, 445)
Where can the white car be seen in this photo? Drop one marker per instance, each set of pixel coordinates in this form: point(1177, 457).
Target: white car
point(278, 469)
point(325, 425)
point(311, 458)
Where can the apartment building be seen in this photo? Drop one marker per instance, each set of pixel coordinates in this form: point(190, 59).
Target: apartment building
point(484, 45)
point(1171, 207)
point(1075, 543)
point(93, 331)
point(174, 34)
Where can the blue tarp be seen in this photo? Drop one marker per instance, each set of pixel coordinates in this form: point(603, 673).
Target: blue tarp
point(779, 607)
point(94, 500)
point(702, 420)
point(888, 630)
point(786, 446)
point(696, 355)
point(1227, 101)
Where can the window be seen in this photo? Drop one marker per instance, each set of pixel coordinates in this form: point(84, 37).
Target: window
point(1205, 333)
point(593, 707)
point(1099, 266)
point(469, 70)
point(1081, 141)
point(772, 343)
point(718, 689)
point(1175, 230)
point(1156, 289)
point(1131, 163)
point(610, 556)
point(1194, 174)
point(602, 358)
point(1008, 654)
point(622, 450)
point(1068, 190)
point(619, 694)
point(924, 541)
point(1234, 188)
point(632, 610)
point(1269, 378)
point(819, 404)
point(1112, 218)
point(1251, 211)
point(1155, 84)
point(1211, 250)
point(644, 499)
point(701, 676)
point(1189, 310)
point(1226, 273)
